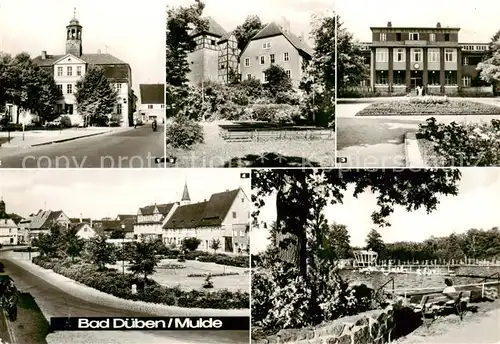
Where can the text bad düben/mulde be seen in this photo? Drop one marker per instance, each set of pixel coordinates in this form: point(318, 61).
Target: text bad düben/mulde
point(159, 324)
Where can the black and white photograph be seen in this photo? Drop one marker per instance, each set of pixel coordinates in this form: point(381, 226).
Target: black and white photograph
point(82, 84)
point(418, 83)
point(375, 256)
point(123, 243)
point(250, 84)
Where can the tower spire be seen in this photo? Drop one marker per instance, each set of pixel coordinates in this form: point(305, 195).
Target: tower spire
point(74, 12)
point(185, 194)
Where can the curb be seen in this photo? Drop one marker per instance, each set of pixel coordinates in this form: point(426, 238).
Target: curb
point(413, 157)
point(8, 324)
point(68, 139)
point(100, 297)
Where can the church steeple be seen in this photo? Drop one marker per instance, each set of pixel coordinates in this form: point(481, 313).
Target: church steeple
point(185, 195)
point(3, 211)
point(74, 37)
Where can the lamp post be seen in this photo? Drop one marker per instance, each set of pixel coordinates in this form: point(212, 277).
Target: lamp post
point(123, 249)
point(109, 122)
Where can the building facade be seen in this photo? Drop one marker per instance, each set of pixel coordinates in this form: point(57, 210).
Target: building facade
point(152, 104)
point(401, 59)
point(9, 232)
point(43, 220)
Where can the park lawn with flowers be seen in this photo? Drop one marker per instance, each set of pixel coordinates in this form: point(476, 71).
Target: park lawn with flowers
point(429, 105)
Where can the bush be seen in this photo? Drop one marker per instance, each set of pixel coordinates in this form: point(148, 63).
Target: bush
point(65, 122)
point(466, 144)
point(289, 97)
point(223, 259)
point(275, 113)
point(171, 266)
point(183, 133)
point(215, 275)
point(431, 100)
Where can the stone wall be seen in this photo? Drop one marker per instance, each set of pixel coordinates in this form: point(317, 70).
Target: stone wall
point(373, 327)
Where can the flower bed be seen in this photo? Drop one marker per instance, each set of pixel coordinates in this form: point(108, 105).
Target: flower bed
point(171, 266)
point(117, 284)
point(460, 144)
point(215, 275)
point(418, 106)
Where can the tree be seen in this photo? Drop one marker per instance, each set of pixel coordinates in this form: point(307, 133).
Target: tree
point(73, 243)
point(277, 79)
point(245, 32)
point(340, 241)
point(215, 244)
point(375, 243)
point(95, 97)
point(117, 233)
point(100, 252)
point(190, 244)
point(144, 260)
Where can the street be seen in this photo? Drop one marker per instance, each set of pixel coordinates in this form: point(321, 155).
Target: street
point(134, 148)
point(56, 303)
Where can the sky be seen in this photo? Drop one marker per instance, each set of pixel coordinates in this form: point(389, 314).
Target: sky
point(133, 31)
point(99, 193)
point(476, 206)
point(478, 20)
point(297, 12)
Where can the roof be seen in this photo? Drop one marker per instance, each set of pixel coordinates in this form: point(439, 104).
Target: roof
point(129, 224)
point(122, 217)
point(152, 93)
point(214, 28)
point(185, 194)
point(79, 226)
point(273, 29)
point(107, 225)
point(203, 214)
point(225, 37)
point(44, 218)
point(162, 208)
point(78, 220)
point(443, 28)
point(93, 59)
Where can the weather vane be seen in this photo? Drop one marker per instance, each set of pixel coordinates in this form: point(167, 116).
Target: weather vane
point(74, 12)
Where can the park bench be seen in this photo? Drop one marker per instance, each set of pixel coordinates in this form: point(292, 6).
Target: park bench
point(436, 305)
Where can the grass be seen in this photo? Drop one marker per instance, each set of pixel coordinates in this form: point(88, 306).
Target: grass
point(407, 107)
point(215, 152)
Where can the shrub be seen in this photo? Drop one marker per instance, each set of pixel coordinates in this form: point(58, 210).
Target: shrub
point(190, 244)
point(223, 259)
point(65, 122)
point(183, 133)
point(172, 266)
point(275, 113)
point(215, 275)
point(289, 97)
point(431, 100)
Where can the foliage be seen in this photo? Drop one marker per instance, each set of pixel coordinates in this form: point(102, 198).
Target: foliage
point(183, 133)
point(215, 275)
point(275, 113)
point(244, 32)
point(117, 233)
point(73, 244)
point(339, 239)
point(144, 260)
point(65, 122)
point(215, 244)
point(431, 100)
point(288, 97)
point(375, 243)
point(277, 80)
point(466, 144)
point(190, 244)
point(95, 97)
point(99, 252)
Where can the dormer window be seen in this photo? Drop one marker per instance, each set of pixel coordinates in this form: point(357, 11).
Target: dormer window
point(383, 36)
point(266, 45)
point(414, 36)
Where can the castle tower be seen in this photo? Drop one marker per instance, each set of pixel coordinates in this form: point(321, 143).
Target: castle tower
point(185, 195)
point(2, 207)
point(74, 37)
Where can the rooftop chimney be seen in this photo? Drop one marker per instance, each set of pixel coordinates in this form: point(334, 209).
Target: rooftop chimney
point(438, 25)
point(44, 54)
point(389, 24)
point(81, 217)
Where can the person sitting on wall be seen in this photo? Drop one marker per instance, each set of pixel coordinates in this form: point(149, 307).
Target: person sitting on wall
point(449, 290)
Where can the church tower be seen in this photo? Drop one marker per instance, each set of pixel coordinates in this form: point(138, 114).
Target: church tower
point(185, 195)
point(3, 212)
point(74, 37)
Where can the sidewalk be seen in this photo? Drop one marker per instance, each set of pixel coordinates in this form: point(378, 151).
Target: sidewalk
point(93, 295)
point(40, 137)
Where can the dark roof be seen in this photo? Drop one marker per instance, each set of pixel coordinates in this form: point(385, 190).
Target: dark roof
point(107, 225)
point(226, 37)
point(273, 29)
point(129, 224)
point(77, 220)
point(162, 208)
point(16, 218)
point(208, 213)
point(152, 93)
point(44, 218)
point(214, 28)
point(78, 226)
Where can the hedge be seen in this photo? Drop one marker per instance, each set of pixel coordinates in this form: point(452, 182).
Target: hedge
point(214, 275)
point(115, 283)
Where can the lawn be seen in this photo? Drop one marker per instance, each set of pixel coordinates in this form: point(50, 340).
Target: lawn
point(179, 277)
point(216, 152)
point(439, 106)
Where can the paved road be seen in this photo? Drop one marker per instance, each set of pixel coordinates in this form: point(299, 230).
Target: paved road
point(134, 148)
point(57, 303)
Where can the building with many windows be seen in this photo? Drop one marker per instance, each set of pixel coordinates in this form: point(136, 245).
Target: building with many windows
point(404, 58)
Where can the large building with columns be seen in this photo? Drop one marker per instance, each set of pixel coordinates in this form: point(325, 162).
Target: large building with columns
point(404, 58)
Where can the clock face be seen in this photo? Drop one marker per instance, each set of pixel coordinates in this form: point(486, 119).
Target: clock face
point(417, 66)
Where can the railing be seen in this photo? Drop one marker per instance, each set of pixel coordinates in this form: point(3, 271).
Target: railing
point(497, 274)
point(383, 285)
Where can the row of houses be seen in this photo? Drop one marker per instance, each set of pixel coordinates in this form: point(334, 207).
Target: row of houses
point(224, 217)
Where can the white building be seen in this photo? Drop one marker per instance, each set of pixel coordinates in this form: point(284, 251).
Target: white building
point(42, 222)
point(9, 233)
point(84, 231)
point(152, 103)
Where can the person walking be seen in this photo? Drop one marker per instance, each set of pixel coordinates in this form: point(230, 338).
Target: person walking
point(135, 123)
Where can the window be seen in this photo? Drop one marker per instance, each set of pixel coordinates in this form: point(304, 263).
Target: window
point(118, 109)
point(450, 55)
point(262, 60)
point(381, 77)
point(150, 106)
point(242, 199)
point(60, 88)
point(222, 66)
point(271, 57)
point(249, 76)
point(414, 36)
point(234, 214)
point(399, 77)
point(432, 37)
point(69, 88)
point(466, 81)
point(266, 45)
point(382, 55)
point(286, 57)
point(466, 61)
point(59, 71)
point(398, 36)
point(212, 41)
point(433, 55)
point(69, 71)
point(247, 61)
point(450, 78)
point(79, 70)
point(119, 87)
point(60, 107)
point(399, 55)
point(69, 109)
point(264, 77)
point(416, 55)
point(383, 36)
point(288, 73)
point(447, 37)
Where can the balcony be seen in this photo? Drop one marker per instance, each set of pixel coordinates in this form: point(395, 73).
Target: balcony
point(416, 43)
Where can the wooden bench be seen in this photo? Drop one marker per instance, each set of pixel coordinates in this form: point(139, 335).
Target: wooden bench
point(435, 305)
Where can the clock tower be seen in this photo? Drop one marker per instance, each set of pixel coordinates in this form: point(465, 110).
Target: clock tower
point(74, 37)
